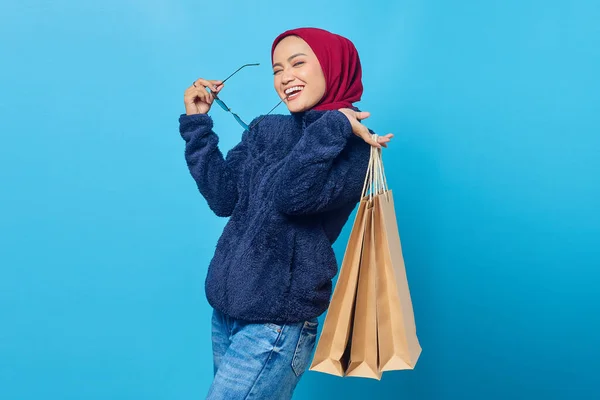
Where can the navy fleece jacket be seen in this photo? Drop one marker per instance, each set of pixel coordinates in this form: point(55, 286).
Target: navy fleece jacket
point(289, 187)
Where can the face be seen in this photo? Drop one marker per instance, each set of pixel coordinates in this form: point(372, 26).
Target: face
point(298, 76)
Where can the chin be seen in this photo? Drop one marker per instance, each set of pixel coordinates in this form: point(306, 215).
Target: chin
point(298, 107)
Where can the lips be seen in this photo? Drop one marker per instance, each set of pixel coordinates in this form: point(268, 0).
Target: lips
point(293, 92)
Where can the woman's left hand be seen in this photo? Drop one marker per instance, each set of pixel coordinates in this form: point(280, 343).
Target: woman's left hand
point(362, 131)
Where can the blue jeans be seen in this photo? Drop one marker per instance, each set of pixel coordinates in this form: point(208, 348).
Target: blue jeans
point(259, 361)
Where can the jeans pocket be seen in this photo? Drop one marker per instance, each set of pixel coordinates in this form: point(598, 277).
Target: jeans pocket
point(304, 347)
point(274, 327)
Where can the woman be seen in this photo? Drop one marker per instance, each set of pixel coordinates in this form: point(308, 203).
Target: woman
point(289, 187)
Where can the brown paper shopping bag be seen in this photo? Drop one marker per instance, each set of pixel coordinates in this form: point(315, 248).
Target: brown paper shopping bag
point(331, 351)
point(350, 328)
point(370, 317)
point(363, 348)
point(399, 346)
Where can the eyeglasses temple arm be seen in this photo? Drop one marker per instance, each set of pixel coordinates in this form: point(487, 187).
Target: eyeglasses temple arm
point(243, 66)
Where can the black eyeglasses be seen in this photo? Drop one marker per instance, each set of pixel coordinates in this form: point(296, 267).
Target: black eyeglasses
point(237, 117)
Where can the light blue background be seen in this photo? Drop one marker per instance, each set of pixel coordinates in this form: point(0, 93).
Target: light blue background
point(105, 240)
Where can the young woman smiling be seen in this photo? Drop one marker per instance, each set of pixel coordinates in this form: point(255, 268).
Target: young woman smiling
point(288, 187)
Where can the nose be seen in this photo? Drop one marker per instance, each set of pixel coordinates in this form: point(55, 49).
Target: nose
point(287, 76)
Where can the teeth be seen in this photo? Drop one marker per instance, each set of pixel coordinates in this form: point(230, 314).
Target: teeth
point(293, 89)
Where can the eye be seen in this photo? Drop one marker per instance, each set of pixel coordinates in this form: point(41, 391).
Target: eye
point(298, 63)
point(276, 72)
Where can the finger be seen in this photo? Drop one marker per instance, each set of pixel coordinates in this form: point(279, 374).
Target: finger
point(214, 90)
point(211, 97)
point(203, 82)
point(202, 95)
point(362, 115)
point(208, 97)
point(369, 139)
point(195, 93)
point(190, 98)
point(219, 87)
point(214, 87)
point(192, 89)
point(384, 140)
point(374, 143)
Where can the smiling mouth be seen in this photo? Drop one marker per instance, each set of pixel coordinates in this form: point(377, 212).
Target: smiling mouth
point(293, 92)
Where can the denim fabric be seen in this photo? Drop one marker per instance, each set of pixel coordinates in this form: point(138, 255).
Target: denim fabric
point(259, 360)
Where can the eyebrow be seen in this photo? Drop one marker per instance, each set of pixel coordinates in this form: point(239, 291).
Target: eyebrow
point(289, 59)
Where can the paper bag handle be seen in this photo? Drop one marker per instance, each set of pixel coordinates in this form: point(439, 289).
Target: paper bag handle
point(375, 180)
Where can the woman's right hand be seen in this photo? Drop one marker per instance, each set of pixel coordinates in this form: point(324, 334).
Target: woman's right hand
point(197, 99)
point(355, 118)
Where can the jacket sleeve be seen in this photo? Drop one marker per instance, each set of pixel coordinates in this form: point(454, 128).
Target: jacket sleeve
point(216, 177)
point(325, 169)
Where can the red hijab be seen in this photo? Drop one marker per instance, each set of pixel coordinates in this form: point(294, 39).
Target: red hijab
point(340, 64)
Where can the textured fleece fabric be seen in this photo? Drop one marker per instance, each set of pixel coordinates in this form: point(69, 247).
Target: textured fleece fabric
point(288, 187)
